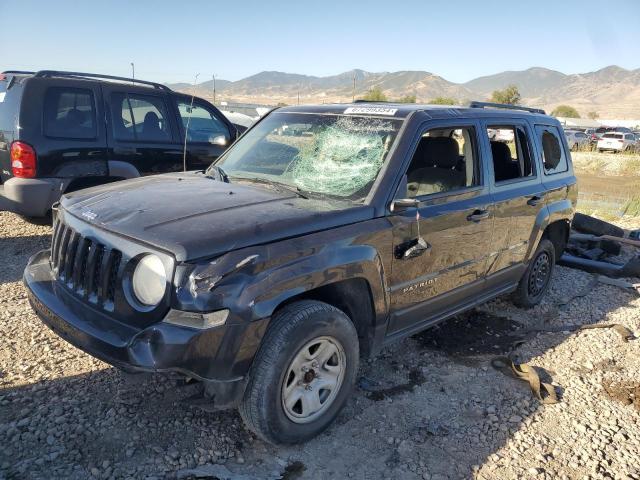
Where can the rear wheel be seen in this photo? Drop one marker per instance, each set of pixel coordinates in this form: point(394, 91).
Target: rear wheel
point(535, 281)
point(303, 374)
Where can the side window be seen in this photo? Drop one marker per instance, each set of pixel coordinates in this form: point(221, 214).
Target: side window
point(445, 160)
point(204, 126)
point(511, 152)
point(553, 156)
point(139, 117)
point(69, 113)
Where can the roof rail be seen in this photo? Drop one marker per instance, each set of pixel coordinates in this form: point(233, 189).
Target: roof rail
point(17, 72)
point(56, 73)
point(362, 100)
point(506, 106)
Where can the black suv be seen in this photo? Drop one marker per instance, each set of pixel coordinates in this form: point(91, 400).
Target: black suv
point(324, 233)
point(63, 131)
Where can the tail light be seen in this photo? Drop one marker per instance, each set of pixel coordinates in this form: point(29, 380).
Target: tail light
point(23, 160)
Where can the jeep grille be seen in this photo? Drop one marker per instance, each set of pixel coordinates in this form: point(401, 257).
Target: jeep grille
point(85, 266)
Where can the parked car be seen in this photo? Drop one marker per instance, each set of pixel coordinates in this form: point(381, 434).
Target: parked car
point(577, 140)
point(617, 142)
point(78, 130)
point(600, 131)
point(267, 276)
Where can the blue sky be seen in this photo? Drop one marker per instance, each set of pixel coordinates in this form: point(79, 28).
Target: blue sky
point(459, 40)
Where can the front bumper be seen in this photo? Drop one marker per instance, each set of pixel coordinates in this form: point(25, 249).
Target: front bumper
point(31, 197)
point(219, 355)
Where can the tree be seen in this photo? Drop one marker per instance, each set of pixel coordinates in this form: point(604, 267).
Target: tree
point(375, 95)
point(443, 101)
point(593, 115)
point(566, 111)
point(407, 99)
point(509, 95)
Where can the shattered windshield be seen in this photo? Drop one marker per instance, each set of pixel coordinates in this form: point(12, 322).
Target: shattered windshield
point(333, 155)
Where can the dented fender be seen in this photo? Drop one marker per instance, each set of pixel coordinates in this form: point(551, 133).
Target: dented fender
point(252, 282)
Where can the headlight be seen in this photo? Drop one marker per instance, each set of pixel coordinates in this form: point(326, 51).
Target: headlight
point(149, 280)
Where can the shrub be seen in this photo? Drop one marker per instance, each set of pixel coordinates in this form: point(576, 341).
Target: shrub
point(375, 95)
point(509, 95)
point(566, 111)
point(443, 101)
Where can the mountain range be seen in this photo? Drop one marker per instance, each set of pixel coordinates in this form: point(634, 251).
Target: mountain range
point(612, 92)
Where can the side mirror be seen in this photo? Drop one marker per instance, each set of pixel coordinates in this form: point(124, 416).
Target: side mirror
point(220, 140)
point(400, 204)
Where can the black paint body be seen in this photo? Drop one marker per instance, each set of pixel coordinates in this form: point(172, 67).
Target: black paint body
point(251, 250)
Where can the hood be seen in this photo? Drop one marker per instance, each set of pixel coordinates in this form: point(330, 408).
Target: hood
point(194, 217)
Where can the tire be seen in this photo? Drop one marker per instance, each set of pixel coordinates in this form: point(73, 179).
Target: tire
point(588, 224)
point(293, 330)
point(537, 277)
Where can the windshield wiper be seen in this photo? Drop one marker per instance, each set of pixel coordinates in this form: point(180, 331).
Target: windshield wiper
point(281, 186)
point(221, 174)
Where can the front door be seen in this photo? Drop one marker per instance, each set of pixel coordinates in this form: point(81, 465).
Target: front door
point(208, 136)
point(142, 130)
point(518, 197)
point(452, 222)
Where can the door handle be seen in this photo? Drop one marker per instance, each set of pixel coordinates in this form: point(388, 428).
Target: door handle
point(478, 215)
point(535, 200)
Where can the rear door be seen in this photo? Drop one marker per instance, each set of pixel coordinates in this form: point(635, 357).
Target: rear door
point(553, 156)
point(454, 220)
point(208, 132)
point(518, 197)
point(142, 129)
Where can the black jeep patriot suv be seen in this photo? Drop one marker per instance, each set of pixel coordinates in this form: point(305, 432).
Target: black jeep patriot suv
point(324, 233)
point(64, 131)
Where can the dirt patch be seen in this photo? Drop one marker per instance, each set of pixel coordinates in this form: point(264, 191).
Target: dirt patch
point(293, 471)
point(472, 333)
point(627, 393)
point(416, 378)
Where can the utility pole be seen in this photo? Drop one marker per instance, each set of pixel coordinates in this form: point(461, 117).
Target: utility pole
point(214, 88)
point(353, 94)
point(133, 71)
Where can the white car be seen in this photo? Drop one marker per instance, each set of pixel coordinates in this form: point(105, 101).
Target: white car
point(617, 142)
point(576, 139)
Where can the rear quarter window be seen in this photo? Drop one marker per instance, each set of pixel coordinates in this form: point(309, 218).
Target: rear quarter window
point(554, 157)
point(69, 113)
point(9, 109)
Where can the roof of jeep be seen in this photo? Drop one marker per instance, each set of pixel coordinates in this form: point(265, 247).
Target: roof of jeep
point(404, 109)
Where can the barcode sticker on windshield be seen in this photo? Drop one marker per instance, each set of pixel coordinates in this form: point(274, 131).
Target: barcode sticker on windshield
point(2, 94)
point(370, 111)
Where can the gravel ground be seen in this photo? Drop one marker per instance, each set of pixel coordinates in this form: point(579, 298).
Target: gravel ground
point(429, 407)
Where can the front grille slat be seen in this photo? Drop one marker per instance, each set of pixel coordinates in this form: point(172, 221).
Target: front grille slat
point(78, 263)
point(94, 293)
point(62, 251)
point(55, 241)
point(70, 257)
point(89, 268)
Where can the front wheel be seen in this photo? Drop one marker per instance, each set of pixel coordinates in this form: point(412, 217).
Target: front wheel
point(535, 281)
point(303, 373)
